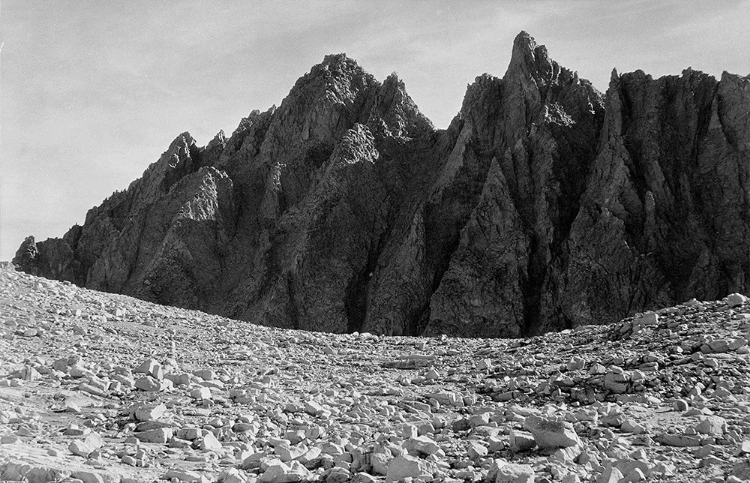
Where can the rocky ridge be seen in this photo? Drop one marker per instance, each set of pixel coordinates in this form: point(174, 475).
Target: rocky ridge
point(545, 205)
point(99, 387)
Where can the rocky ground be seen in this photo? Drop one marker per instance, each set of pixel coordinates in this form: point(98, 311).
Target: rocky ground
point(100, 387)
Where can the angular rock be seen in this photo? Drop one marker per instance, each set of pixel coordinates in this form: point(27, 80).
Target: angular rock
point(149, 412)
point(521, 441)
point(617, 381)
point(421, 446)
point(201, 393)
point(551, 434)
point(712, 426)
point(405, 466)
point(504, 472)
point(85, 447)
point(186, 476)
point(210, 443)
point(159, 435)
point(678, 440)
point(278, 472)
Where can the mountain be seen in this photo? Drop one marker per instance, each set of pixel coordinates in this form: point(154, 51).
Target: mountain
point(544, 205)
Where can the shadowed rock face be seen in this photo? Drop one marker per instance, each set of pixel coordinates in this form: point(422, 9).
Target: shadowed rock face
point(543, 206)
point(665, 213)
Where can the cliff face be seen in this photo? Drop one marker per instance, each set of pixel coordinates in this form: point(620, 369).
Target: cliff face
point(544, 205)
point(665, 213)
point(535, 133)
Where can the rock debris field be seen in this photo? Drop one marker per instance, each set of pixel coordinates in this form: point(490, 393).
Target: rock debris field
point(97, 387)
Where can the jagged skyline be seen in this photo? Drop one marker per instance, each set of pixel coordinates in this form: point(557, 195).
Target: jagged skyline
point(92, 93)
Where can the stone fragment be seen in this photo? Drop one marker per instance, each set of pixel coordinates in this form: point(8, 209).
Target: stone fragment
point(549, 433)
point(617, 380)
point(92, 477)
point(649, 318)
point(232, 475)
point(205, 374)
point(521, 440)
point(313, 408)
point(148, 425)
point(479, 420)
point(477, 450)
point(86, 446)
point(189, 433)
point(610, 475)
point(421, 446)
point(631, 426)
point(148, 384)
point(75, 430)
point(712, 426)
point(310, 455)
point(149, 412)
point(159, 435)
point(678, 440)
point(150, 367)
point(253, 461)
point(201, 393)
point(504, 472)
point(735, 299)
point(447, 398)
point(497, 444)
point(575, 364)
point(407, 431)
point(680, 405)
point(404, 466)
point(186, 476)
point(175, 442)
point(278, 472)
point(628, 466)
point(379, 462)
point(210, 443)
point(287, 452)
point(28, 373)
point(362, 477)
point(338, 474)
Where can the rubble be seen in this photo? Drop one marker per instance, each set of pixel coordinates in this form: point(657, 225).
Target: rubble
point(239, 403)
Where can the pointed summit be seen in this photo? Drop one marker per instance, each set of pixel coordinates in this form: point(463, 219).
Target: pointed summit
point(531, 61)
point(337, 67)
point(395, 112)
point(523, 45)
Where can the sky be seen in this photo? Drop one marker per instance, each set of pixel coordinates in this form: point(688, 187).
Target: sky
point(93, 91)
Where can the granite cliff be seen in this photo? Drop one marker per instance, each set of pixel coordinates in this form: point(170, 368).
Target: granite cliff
point(544, 205)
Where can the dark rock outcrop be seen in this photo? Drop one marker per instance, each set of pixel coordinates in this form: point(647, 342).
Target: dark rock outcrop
point(544, 205)
point(665, 214)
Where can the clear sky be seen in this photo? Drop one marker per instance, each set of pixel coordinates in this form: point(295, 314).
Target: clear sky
point(93, 91)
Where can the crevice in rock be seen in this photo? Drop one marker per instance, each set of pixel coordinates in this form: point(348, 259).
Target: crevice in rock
point(444, 221)
point(531, 289)
point(355, 302)
point(292, 311)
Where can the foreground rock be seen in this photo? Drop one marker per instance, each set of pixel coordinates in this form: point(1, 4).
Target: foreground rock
point(241, 403)
point(544, 205)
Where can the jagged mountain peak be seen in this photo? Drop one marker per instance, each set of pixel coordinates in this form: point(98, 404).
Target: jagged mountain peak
point(344, 209)
point(337, 61)
point(528, 57)
point(335, 71)
point(394, 112)
point(524, 46)
point(531, 67)
point(393, 81)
